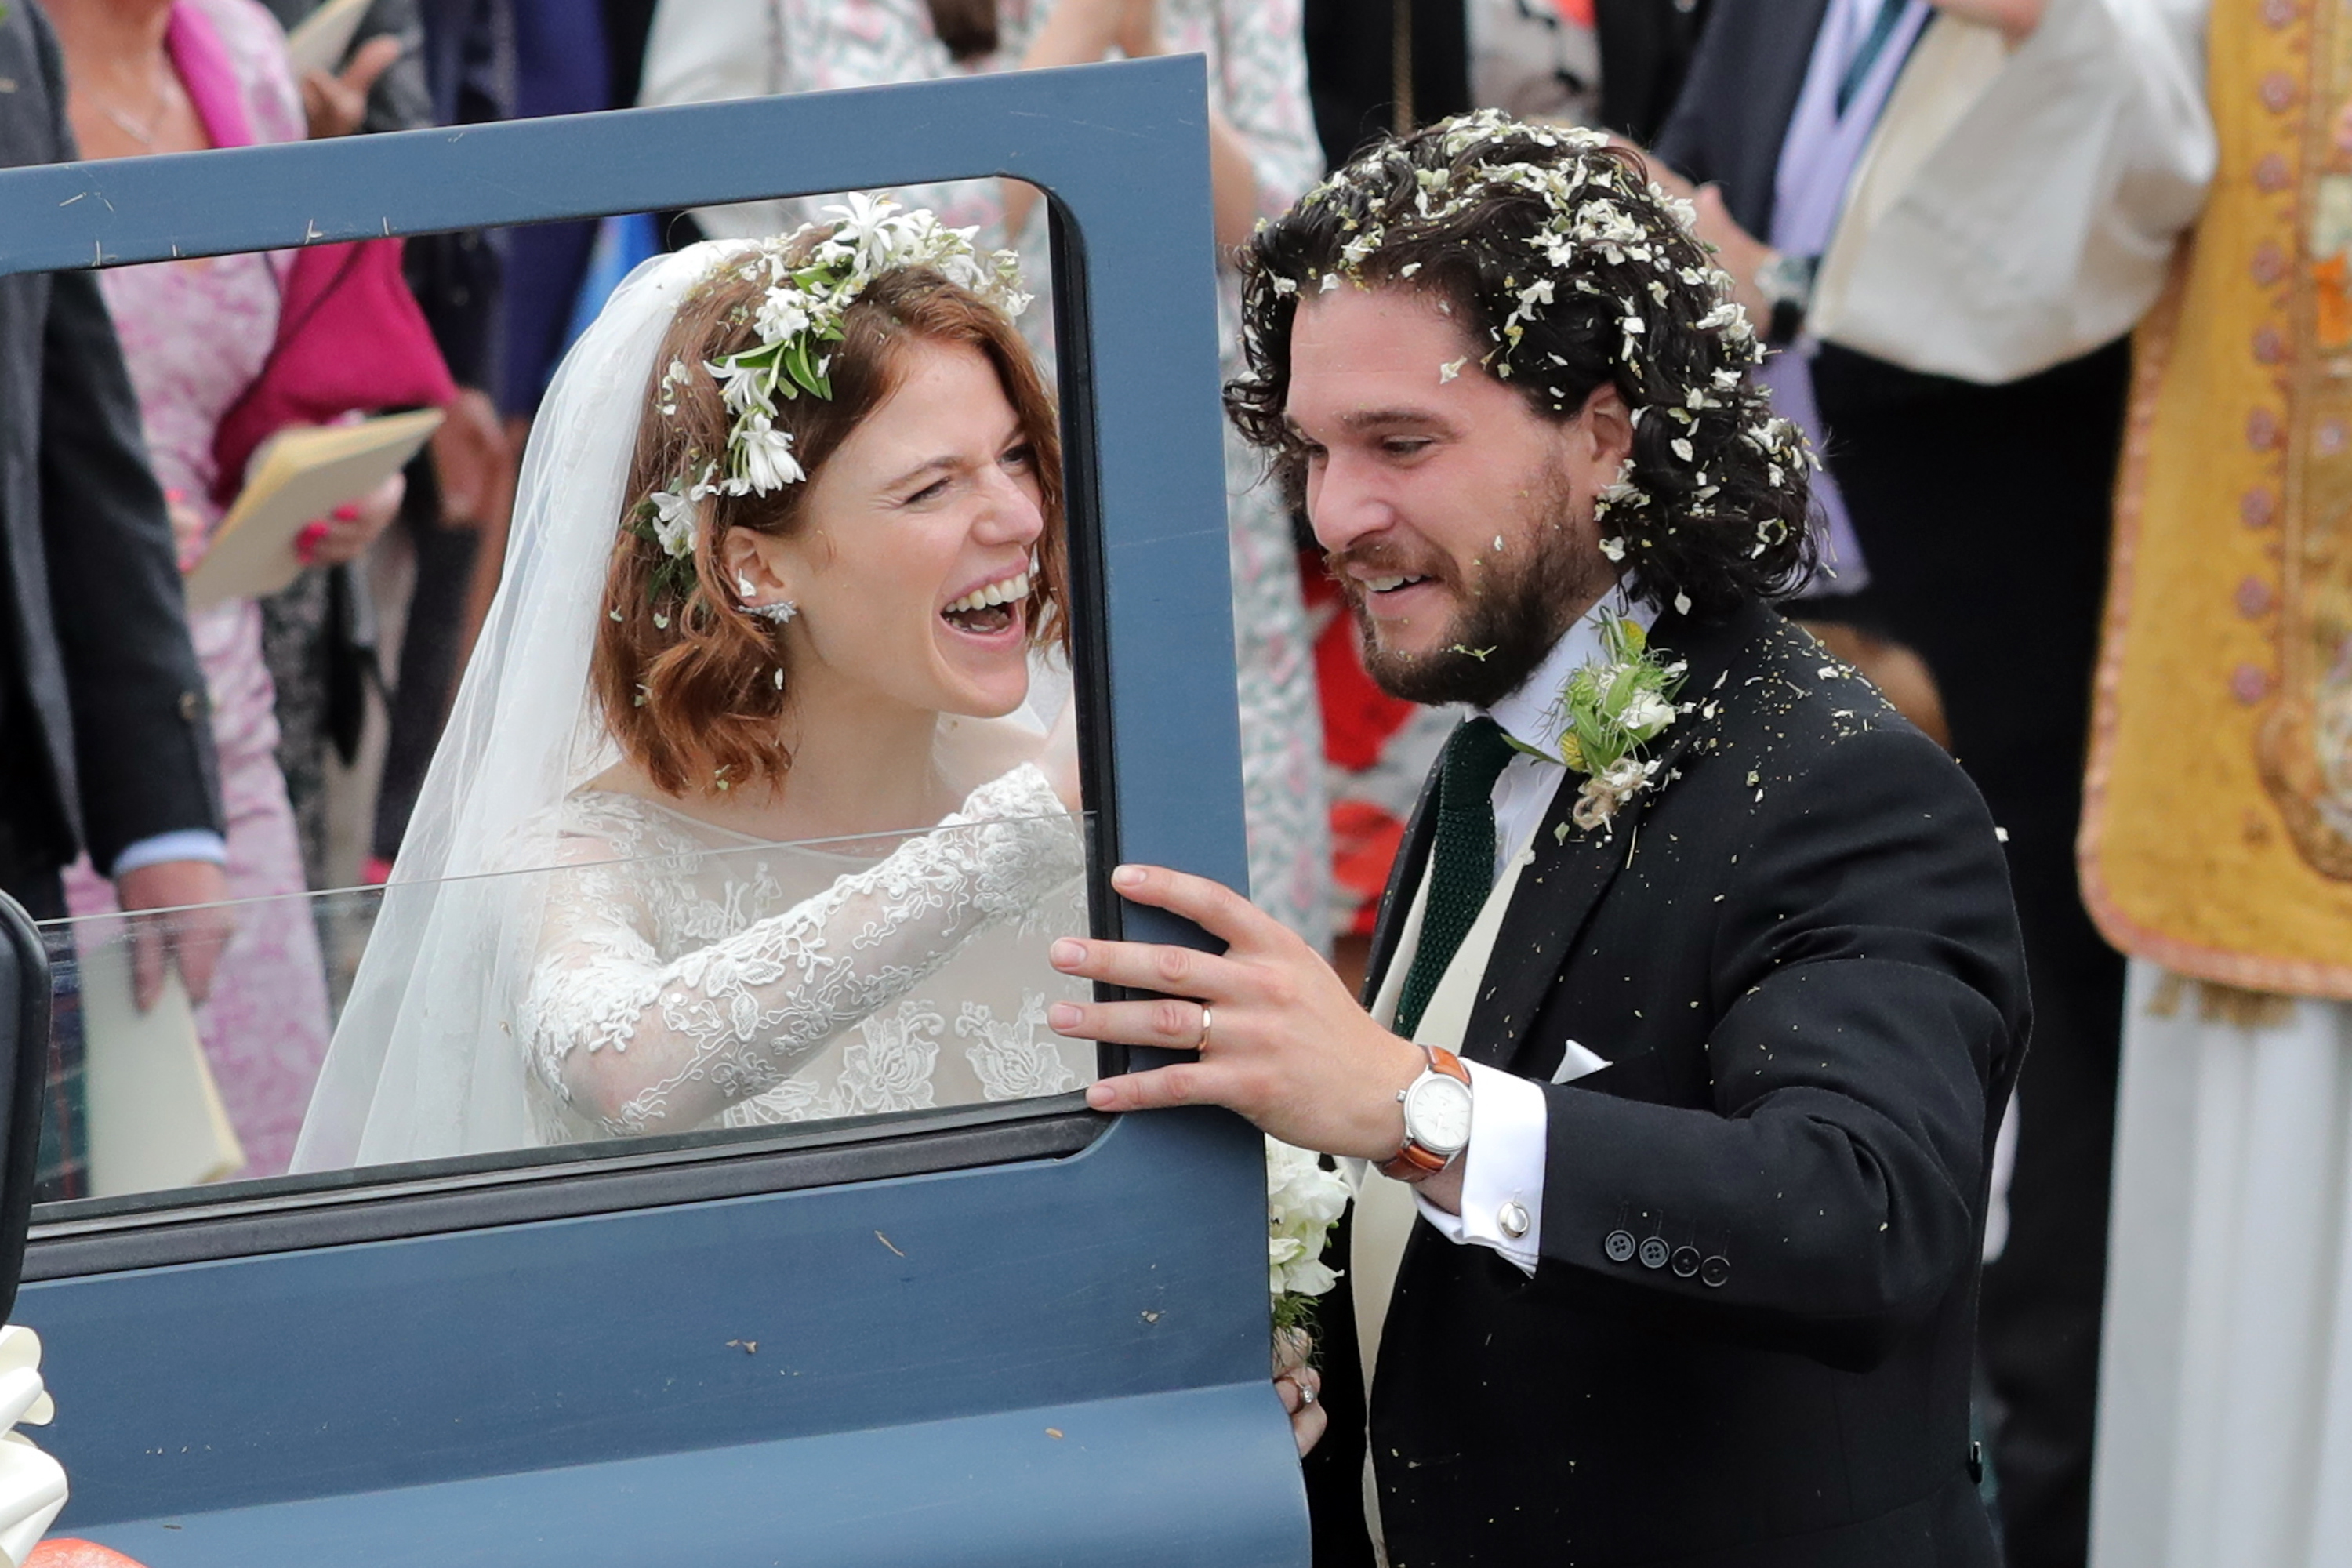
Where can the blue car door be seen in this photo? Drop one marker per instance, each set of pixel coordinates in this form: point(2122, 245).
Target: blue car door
point(1012, 1333)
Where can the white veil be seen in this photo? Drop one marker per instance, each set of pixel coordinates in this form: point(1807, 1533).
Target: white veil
point(424, 1063)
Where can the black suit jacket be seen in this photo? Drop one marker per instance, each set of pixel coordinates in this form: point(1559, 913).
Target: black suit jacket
point(1645, 47)
point(1800, 960)
point(1733, 112)
point(104, 738)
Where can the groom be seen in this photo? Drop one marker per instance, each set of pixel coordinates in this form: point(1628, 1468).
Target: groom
point(1697, 976)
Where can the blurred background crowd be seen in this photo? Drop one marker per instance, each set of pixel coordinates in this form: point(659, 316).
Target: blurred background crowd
point(2011, 253)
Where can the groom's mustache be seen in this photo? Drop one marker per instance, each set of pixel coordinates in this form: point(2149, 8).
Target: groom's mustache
point(1385, 558)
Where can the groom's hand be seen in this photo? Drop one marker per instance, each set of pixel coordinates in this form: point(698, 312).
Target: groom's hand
point(1286, 1045)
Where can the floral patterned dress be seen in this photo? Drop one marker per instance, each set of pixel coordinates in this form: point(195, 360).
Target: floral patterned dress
point(194, 335)
point(1257, 81)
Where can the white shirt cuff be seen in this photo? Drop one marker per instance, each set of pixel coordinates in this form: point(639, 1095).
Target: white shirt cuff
point(192, 844)
point(1502, 1170)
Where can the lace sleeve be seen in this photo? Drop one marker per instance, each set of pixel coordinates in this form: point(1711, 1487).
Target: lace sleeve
point(637, 1045)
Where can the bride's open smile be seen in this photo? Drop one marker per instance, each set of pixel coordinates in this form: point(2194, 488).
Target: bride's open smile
point(993, 610)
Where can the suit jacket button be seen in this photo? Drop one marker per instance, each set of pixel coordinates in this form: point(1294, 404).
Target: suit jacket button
point(192, 707)
point(1653, 1252)
point(1685, 1262)
point(1619, 1247)
point(1714, 1271)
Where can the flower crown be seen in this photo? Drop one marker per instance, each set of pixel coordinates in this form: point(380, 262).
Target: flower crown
point(803, 307)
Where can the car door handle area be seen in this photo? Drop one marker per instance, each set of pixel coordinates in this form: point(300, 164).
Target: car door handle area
point(1114, 1480)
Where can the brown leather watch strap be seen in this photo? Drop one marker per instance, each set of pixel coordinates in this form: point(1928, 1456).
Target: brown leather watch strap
point(1413, 1162)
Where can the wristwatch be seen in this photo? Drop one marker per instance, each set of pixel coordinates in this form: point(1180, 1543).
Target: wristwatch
point(1787, 284)
point(1436, 1119)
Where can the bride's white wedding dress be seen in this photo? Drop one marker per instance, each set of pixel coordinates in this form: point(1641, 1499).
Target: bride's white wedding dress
point(553, 961)
point(785, 982)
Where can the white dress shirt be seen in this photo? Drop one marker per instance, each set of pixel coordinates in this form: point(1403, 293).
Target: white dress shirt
point(2019, 207)
point(1503, 1169)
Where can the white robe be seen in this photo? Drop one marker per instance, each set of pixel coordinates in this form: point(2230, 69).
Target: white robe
point(2225, 1381)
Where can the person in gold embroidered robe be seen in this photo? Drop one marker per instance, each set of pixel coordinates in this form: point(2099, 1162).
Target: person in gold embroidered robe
point(2217, 844)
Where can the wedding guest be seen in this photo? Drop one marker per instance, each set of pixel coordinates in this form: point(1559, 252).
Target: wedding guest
point(380, 77)
point(562, 66)
point(1616, 64)
point(1967, 206)
point(454, 518)
point(1683, 1260)
point(103, 745)
point(452, 61)
point(2217, 851)
point(158, 76)
point(702, 51)
point(1262, 155)
point(1371, 77)
point(317, 635)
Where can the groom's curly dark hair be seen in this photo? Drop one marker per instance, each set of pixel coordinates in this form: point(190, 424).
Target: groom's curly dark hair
point(1488, 216)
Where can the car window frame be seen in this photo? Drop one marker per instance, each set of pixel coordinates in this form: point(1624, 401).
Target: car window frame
point(1119, 151)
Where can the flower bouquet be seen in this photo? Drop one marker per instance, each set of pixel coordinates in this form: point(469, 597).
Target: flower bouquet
point(1303, 1201)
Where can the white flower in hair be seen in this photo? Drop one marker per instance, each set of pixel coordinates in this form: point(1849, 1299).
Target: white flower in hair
point(744, 389)
point(768, 460)
point(783, 314)
point(673, 523)
point(862, 222)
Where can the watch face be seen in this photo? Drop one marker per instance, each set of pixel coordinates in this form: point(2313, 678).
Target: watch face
point(1437, 1114)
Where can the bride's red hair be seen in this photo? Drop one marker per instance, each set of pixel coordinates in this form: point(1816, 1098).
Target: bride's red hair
point(688, 681)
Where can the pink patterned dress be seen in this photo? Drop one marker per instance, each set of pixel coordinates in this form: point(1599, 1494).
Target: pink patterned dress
point(195, 334)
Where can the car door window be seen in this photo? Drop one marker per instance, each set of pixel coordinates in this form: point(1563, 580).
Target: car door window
point(604, 935)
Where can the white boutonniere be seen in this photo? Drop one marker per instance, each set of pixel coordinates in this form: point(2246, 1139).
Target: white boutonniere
point(1303, 1201)
point(1612, 707)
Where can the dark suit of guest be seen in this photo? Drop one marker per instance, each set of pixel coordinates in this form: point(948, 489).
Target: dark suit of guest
point(104, 736)
point(1351, 64)
point(1747, 1342)
point(1993, 569)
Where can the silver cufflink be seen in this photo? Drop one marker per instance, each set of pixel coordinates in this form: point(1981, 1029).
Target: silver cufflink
point(1512, 1218)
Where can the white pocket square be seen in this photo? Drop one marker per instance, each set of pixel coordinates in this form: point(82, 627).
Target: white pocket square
point(1577, 1063)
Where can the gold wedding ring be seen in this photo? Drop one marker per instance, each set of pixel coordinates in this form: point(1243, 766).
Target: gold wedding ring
point(1208, 1017)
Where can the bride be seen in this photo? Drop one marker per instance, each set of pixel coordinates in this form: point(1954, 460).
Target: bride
point(789, 531)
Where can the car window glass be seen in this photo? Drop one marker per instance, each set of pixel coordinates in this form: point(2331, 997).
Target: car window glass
point(612, 914)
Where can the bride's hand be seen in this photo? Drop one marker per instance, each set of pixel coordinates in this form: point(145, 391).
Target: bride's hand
point(1060, 761)
point(1300, 1387)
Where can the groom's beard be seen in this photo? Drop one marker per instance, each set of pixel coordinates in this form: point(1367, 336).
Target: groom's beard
point(1515, 605)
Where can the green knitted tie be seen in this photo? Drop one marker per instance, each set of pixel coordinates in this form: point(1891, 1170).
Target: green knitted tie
point(1461, 862)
